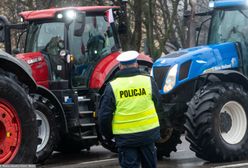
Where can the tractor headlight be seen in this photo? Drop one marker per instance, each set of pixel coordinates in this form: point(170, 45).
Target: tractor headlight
point(171, 79)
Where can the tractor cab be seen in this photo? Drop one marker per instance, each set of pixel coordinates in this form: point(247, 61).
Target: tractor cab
point(229, 23)
point(72, 40)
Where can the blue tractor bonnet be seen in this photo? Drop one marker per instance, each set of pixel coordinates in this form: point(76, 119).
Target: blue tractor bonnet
point(188, 64)
point(228, 3)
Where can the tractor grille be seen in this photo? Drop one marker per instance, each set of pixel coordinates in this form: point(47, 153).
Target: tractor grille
point(184, 70)
point(159, 75)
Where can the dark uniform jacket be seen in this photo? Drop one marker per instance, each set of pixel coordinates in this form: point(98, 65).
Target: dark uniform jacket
point(107, 108)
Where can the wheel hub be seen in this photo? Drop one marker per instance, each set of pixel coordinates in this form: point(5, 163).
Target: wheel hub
point(43, 130)
point(2, 132)
point(10, 132)
point(233, 122)
point(225, 122)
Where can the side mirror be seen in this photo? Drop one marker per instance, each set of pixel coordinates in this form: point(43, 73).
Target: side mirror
point(197, 29)
point(187, 13)
point(3, 22)
point(109, 33)
point(79, 24)
point(122, 28)
point(186, 17)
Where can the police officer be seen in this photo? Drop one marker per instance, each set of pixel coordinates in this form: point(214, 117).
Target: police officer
point(127, 111)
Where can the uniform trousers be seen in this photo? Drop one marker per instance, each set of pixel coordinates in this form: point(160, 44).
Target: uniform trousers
point(133, 157)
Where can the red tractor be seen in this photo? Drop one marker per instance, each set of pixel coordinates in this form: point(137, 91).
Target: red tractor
point(71, 53)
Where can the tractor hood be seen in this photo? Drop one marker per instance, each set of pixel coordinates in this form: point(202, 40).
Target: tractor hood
point(225, 4)
point(178, 67)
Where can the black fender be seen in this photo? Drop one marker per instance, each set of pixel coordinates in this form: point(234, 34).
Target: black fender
point(227, 76)
point(144, 62)
point(11, 64)
point(108, 78)
point(53, 99)
point(116, 68)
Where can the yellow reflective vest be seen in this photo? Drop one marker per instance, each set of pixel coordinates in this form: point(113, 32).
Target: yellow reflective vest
point(135, 111)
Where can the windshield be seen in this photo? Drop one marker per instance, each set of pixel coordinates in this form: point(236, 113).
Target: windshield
point(229, 26)
point(96, 42)
point(40, 34)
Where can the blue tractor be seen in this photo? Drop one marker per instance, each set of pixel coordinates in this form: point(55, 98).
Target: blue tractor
point(205, 88)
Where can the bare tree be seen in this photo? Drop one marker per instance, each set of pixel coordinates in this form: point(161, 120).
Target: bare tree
point(192, 24)
point(155, 25)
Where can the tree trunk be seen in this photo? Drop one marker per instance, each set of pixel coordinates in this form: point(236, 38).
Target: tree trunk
point(192, 25)
point(137, 33)
point(150, 29)
point(125, 19)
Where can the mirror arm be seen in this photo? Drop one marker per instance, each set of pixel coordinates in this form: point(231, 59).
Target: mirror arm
point(19, 38)
point(188, 13)
point(19, 26)
point(7, 37)
point(198, 35)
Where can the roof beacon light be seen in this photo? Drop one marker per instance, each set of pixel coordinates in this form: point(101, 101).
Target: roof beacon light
point(60, 16)
point(70, 14)
point(211, 4)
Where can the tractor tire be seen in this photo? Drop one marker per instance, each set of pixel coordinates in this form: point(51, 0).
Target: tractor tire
point(217, 122)
point(48, 132)
point(177, 119)
point(18, 127)
point(165, 148)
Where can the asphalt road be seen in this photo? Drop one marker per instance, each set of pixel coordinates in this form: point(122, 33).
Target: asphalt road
point(98, 157)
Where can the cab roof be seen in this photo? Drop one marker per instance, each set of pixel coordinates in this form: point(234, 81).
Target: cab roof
point(50, 13)
point(229, 3)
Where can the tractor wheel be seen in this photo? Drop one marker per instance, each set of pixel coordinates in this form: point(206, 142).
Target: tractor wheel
point(48, 133)
point(217, 122)
point(18, 128)
point(171, 138)
point(165, 148)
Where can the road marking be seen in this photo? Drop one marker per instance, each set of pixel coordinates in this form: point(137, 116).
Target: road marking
point(232, 165)
point(100, 161)
point(91, 164)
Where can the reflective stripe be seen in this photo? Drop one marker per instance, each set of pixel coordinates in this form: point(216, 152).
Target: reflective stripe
point(133, 117)
point(140, 126)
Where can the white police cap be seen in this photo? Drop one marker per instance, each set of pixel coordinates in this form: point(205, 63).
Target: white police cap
point(128, 57)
